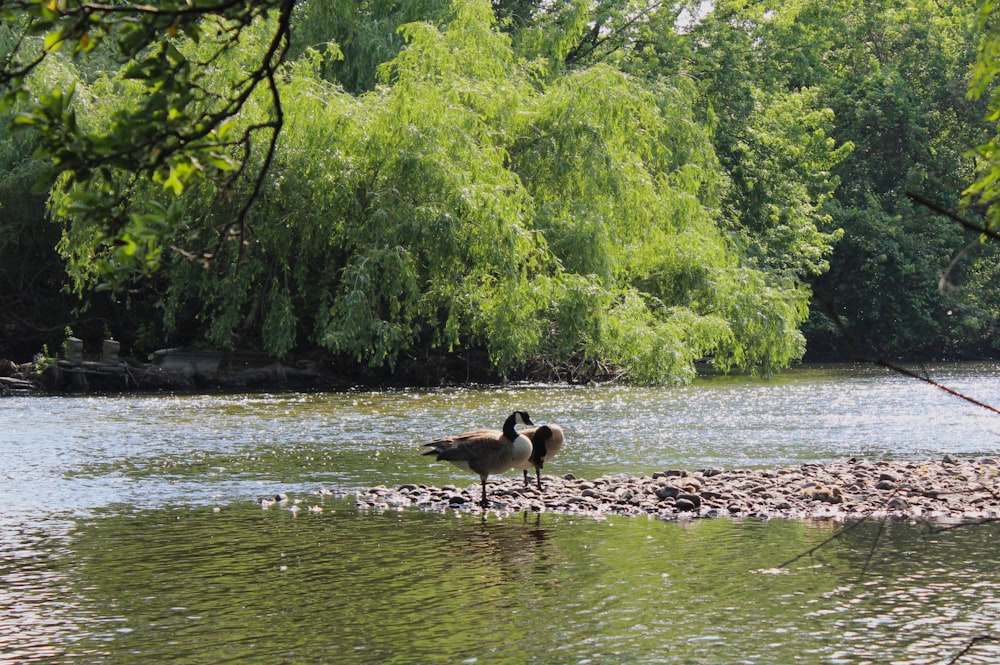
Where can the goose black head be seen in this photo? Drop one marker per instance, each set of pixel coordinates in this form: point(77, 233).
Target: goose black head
point(516, 418)
point(538, 448)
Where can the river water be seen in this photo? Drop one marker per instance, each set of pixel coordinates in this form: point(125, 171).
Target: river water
point(130, 531)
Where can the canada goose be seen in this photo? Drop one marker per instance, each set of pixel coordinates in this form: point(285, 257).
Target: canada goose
point(546, 441)
point(485, 451)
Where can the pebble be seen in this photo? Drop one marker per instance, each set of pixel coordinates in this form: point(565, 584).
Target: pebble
point(949, 488)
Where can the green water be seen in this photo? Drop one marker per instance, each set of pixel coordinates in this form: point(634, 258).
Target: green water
point(130, 532)
point(242, 585)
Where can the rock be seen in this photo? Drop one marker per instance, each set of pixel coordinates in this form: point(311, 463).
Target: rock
point(668, 492)
point(933, 490)
point(685, 505)
point(949, 459)
point(823, 493)
point(898, 503)
point(689, 483)
point(624, 494)
point(692, 498)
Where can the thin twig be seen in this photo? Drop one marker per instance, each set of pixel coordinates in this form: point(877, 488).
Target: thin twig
point(881, 362)
point(972, 642)
point(815, 548)
point(953, 216)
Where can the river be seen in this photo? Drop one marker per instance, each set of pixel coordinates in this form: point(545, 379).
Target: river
point(130, 531)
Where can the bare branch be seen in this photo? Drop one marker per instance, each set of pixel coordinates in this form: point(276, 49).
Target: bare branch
point(971, 643)
point(990, 233)
point(881, 362)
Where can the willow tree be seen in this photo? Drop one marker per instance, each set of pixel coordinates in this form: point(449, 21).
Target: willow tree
point(465, 203)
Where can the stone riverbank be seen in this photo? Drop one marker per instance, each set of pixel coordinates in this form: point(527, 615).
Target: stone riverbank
point(945, 489)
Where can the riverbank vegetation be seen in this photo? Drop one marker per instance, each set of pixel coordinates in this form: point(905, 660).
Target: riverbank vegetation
point(582, 190)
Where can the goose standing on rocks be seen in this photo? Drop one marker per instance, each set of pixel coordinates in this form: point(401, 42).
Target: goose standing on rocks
point(546, 441)
point(485, 451)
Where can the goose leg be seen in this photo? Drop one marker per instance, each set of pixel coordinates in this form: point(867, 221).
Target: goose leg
point(484, 503)
point(525, 477)
point(538, 474)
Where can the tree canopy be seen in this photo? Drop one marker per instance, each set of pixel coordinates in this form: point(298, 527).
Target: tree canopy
point(582, 190)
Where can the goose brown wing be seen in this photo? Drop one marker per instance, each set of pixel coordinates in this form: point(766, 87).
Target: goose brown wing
point(465, 446)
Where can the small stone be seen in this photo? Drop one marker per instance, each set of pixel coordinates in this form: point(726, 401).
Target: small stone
point(949, 459)
point(689, 483)
point(693, 498)
point(885, 485)
point(685, 505)
point(898, 503)
point(886, 475)
point(624, 494)
point(667, 492)
point(823, 493)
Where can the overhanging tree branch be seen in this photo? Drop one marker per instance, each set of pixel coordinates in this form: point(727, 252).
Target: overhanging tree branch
point(178, 130)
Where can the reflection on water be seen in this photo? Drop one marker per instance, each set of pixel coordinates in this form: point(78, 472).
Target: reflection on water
point(33, 601)
point(243, 585)
point(82, 453)
point(129, 532)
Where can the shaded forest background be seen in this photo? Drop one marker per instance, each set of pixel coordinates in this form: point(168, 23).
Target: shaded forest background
point(581, 189)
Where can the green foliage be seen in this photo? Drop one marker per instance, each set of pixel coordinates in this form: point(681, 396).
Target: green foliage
point(356, 38)
point(174, 129)
point(586, 187)
point(984, 193)
point(896, 91)
point(460, 204)
point(885, 80)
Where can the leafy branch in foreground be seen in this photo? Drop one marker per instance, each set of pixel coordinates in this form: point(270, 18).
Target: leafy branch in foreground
point(179, 128)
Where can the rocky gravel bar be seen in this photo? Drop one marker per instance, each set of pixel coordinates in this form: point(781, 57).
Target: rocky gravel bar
point(945, 489)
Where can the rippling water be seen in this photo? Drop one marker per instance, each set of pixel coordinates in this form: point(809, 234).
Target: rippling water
point(129, 532)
